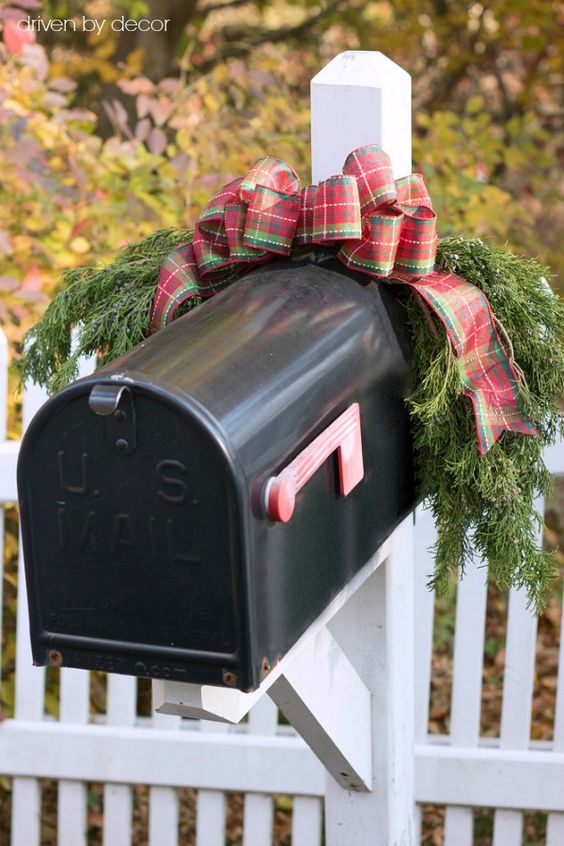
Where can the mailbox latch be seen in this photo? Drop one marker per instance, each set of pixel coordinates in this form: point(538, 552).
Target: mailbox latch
point(114, 402)
point(343, 435)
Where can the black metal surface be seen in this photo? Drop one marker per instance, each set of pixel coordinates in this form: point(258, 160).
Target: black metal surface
point(147, 550)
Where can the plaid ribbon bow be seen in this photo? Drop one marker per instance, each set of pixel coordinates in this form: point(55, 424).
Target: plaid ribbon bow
point(383, 227)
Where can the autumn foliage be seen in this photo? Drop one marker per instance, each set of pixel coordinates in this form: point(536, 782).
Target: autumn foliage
point(86, 168)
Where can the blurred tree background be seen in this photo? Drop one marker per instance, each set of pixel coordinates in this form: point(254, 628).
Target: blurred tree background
point(105, 137)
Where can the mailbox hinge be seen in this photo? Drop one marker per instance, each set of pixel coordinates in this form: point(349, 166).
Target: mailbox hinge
point(115, 404)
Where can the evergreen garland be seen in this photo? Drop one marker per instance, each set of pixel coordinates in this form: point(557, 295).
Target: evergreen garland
point(480, 501)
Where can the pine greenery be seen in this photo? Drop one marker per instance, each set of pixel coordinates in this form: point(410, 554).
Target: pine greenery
point(480, 502)
point(487, 501)
point(111, 304)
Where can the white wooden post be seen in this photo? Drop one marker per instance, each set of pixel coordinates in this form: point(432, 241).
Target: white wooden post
point(365, 98)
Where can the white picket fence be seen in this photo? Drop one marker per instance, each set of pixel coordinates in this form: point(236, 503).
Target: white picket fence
point(263, 758)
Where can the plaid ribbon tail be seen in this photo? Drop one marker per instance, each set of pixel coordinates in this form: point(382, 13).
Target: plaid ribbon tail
point(488, 377)
point(178, 282)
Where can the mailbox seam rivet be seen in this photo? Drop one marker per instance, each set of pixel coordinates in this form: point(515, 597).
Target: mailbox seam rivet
point(229, 678)
point(121, 444)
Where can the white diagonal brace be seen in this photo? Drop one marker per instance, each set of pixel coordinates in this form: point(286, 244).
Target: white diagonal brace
point(323, 697)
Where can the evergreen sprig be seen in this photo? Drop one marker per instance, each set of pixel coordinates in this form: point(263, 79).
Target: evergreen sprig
point(109, 307)
point(483, 504)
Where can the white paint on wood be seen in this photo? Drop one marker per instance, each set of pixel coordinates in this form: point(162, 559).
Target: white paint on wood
point(425, 535)
point(121, 698)
point(263, 719)
point(118, 798)
point(203, 702)
point(118, 810)
point(468, 657)
point(30, 683)
point(324, 698)
point(376, 632)
point(553, 457)
point(518, 682)
point(72, 818)
point(163, 801)
point(258, 810)
point(163, 816)
point(34, 398)
point(7, 474)
point(210, 815)
point(74, 696)
point(467, 685)
point(258, 820)
point(211, 805)
point(72, 795)
point(490, 777)
point(508, 828)
point(3, 384)
point(127, 755)
point(519, 671)
point(360, 97)
point(26, 812)
point(555, 822)
point(8, 461)
point(306, 821)
point(555, 830)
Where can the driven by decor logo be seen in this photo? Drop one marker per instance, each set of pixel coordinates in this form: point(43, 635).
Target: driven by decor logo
point(121, 24)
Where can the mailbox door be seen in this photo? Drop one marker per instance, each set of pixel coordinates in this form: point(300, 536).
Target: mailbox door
point(131, 526)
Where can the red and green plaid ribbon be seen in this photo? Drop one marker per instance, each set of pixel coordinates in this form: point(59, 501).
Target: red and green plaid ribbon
point(383, 227)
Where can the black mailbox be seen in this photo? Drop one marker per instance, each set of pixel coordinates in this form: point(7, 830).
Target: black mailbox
point(164, 534)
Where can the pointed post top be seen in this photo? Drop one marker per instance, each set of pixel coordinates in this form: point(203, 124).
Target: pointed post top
point(360, 97)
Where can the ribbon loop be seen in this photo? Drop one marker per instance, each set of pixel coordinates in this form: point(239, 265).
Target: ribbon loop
point(272, 217)
point(418, 241)
point(272, 173)
point(375, 253)
point(336, 213)
point(372, 169)
point(412, 192)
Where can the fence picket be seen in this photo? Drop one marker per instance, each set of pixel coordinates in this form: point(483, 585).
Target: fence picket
point(30, 687)
point(211, 805)
point(555, 822)
point(72, 795)
point(307, 817)
point(423, 606)
point(163, 801)
point(258, 815)
point(518, 680)
point(3, 429)
point(118, 804)
point(466, 687)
